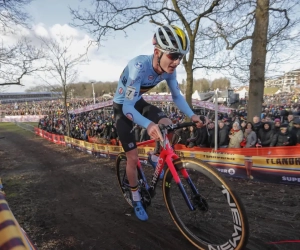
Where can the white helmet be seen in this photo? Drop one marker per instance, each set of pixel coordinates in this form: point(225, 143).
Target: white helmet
point(172, 39)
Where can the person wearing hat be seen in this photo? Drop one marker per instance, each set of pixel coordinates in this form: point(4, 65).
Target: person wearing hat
point(284, 137)
point(276, 126)
point(296, 129)
point(265, 134)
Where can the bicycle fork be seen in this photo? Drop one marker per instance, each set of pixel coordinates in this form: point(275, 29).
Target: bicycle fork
point(196, 196)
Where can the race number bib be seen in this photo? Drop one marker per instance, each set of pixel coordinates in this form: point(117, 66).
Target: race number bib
point(130, 92)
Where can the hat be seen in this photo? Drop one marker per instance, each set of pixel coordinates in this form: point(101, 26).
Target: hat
point(284, 125)
point(296, 121)
point(277, 120)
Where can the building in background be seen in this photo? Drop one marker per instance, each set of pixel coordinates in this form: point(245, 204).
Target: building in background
point(29, 97)
point(285, 82)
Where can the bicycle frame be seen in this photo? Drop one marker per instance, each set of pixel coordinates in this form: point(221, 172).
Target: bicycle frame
point(167, 155)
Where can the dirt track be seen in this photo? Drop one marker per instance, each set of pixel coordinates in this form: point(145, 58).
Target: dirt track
point(66, 199)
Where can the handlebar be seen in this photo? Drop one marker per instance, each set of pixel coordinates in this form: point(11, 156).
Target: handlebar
point(165, 129)
point(172, 127)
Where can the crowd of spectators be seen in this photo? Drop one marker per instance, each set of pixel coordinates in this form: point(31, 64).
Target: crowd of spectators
point(278, 125)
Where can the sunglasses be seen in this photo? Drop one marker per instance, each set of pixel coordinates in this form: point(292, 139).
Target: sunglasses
point(172, 56)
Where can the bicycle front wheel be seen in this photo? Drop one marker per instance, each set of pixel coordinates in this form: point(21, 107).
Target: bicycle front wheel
point(218, 220)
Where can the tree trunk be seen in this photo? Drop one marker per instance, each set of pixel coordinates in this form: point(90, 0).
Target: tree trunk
point(188, 65)
point(189, 85)
point(258, 59)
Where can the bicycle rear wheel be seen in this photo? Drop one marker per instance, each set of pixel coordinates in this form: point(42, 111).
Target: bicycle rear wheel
point(219, 220)
point(121, 162)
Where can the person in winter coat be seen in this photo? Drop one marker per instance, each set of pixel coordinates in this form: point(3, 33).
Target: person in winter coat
point(180, 136)
point(284, 137)
point(223, 139)
point(257, 125)
point(265, 134)
point(243, 125)
point(296, 129)
point(211, 135)
point(202, 136)
point(250, 136)
point(192, 137)
point(235, 135)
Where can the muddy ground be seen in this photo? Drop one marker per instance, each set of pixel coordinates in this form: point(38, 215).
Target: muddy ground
point(66, 199)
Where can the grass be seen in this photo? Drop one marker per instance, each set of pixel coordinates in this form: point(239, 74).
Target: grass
point(11, 127)
point(270, 90)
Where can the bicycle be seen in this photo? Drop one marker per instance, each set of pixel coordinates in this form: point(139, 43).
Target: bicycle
point(213, 219)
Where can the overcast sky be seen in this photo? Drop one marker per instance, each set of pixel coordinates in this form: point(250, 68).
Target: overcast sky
point(52, 17)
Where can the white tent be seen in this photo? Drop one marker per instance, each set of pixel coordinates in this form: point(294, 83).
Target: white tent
point(277, 92)
point(242, 93)
point(196, 95)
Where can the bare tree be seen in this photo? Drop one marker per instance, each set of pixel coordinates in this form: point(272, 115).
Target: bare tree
point(202, 85)
point(107, 16)
point(18, 61)
point(22, 58)
point(62, 67)
point(258, 59)
point(12, 14)
point(264, 35)
point(221, 83)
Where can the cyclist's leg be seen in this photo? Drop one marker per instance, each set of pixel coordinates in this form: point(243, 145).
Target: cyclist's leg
point(126, 136)
point(156, 115)
point(131, 171)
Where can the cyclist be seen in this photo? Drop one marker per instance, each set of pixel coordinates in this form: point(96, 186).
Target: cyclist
point(140, 75)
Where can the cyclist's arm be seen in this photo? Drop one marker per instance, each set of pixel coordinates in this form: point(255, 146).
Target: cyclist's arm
point(131, 97)
point(178, 98)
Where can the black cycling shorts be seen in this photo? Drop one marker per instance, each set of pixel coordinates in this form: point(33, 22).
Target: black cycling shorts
point(124, 125)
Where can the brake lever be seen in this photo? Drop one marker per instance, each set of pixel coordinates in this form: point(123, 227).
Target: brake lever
point(164, 131)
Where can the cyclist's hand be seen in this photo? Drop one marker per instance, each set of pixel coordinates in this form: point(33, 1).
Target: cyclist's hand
point(196, 119)
point(154, 132)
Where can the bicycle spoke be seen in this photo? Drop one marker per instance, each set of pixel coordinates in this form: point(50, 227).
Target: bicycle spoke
point(212, 222)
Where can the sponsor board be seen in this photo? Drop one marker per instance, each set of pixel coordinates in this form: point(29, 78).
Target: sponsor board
point(281, 169)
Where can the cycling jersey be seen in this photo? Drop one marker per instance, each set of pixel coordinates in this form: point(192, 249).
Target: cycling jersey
point(139, 77)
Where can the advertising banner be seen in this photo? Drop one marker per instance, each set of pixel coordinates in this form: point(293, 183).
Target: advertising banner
point(153, 98)
point(268, 168)
point(21, 118)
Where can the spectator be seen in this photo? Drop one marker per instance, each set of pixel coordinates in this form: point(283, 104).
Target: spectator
point(257, 125)
point(296, 129)
point(113, 133)
point(235, 135)
point(223, 139)
point(144, 135)
point(265, 134)
point(202, 136)
point(277, 124)
point(290, 122)
point(192, 137)
point(180, 136)
point(250, 136)
point(211, 135)
point(284, 137)
point(243, 125)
